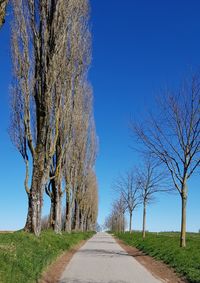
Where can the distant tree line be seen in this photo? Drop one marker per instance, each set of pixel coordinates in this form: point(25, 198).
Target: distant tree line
point(169, 141)
point(52, 123)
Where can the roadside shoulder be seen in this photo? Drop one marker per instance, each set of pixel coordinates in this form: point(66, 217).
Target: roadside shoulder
point(54, 271)
point(157, 268)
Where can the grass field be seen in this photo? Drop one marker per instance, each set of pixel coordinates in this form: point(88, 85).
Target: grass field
point(165, 247)
point(23, 257)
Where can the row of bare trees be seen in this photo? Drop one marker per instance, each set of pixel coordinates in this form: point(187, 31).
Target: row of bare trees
point(134, 188)
point(170, 137)
point(116, 221)
point(52, 123)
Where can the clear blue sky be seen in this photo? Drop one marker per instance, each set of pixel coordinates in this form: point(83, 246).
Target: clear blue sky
point(139, 47)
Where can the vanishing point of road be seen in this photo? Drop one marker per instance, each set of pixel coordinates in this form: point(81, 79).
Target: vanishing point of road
point(102, 260)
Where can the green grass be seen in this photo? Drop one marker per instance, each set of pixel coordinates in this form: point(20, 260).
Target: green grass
point(165, 247)
point(23, 257)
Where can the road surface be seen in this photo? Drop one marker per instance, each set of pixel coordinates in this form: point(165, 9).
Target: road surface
point(102, 260)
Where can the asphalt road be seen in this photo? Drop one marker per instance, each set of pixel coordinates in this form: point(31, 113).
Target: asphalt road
point(102, 260)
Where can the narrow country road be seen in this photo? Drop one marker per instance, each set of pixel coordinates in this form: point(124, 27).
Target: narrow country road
point(102, 260)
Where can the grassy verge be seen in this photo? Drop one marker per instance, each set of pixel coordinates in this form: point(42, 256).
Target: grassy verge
point(165, 247)
point(23, 257)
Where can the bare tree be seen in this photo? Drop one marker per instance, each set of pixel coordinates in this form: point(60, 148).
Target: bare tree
point(55, 189)
point(39, 44)
point(89, 204)
point(81, 155)
point(151, 180)
point(173, 136)
point(116, 220)
point(129, 190)
point(78, 59)
point(3, 4)
point(87, 178)
point(120, 206)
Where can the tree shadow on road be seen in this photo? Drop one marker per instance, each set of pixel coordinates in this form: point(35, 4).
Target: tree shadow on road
point(74, 280)
point(102, 252)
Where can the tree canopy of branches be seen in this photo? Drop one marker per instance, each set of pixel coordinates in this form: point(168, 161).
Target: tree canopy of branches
point(81, 156)
point(172, 135)
point(151, 180)
point(72, 153)
point(89, 204)
point(52, 122)
point(129, 191)
point(3, 4)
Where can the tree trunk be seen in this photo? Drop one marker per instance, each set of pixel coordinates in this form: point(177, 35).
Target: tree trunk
point(68, 220)
point(34, 221)
point(34, 215)
point(144, 220)
point(130, 223)
point(52, 208)
point(51, 214)
point(73, 211)
point(82, 219)
point(77, 218)
point(55, 219)
point(37, 195)
point(27, 226)
point(58, 212)
point(183, 216)
point(87, 224)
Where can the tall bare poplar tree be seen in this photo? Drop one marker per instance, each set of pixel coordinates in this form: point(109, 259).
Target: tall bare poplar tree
point(172, 135)
point(89, 204)
point(78, 59)
point(87, 187)
point(81, 155)
point(39, 44)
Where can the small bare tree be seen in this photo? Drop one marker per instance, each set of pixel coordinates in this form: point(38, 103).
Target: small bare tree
point(120, 206)
point(173, 136)
point(129, 190)
point(151, 180)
